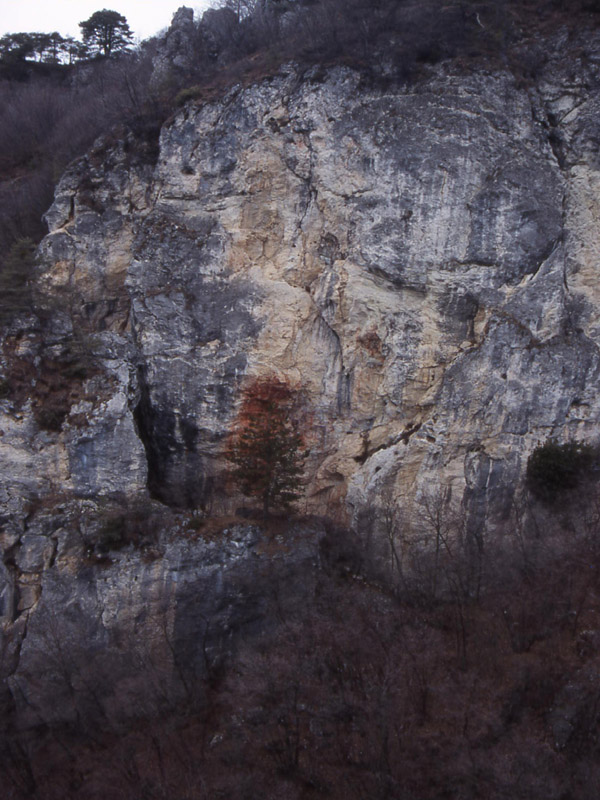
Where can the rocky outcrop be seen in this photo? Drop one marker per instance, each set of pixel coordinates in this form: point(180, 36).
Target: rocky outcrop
point(140, 628)
point(419, 258)
point(178, 48)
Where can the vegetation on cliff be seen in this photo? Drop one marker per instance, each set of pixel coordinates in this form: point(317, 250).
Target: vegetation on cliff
point(554, 469)
point(266, 447)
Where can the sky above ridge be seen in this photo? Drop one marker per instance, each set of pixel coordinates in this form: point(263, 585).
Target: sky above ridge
point(145, 17)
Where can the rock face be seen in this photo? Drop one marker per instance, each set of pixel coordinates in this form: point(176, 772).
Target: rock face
point(144, 625)
point(178, 47)
point(421, 259)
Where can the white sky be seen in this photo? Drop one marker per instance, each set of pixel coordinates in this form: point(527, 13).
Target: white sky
point(145, 17)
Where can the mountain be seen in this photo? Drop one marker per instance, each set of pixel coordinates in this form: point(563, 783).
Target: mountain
point(415, 256)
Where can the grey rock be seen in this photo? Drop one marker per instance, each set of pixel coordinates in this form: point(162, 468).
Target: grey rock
point(421, 260)
point(176, 47)
point(34, 553)
point(7, 594)
point(143, 622)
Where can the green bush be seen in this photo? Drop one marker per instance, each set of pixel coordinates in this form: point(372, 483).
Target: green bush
point(191, 93)
point(554, 468)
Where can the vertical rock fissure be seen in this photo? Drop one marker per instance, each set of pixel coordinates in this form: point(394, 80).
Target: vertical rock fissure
point(175, 469)
point(144, 418)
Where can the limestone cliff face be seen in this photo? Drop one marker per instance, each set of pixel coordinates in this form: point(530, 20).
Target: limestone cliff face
point(421, 259)
point(142, 627)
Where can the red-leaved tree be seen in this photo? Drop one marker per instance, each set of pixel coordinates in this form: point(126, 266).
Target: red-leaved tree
point(267, 446)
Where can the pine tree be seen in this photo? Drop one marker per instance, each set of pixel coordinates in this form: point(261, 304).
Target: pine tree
point(107, 32)
point(267, 446)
